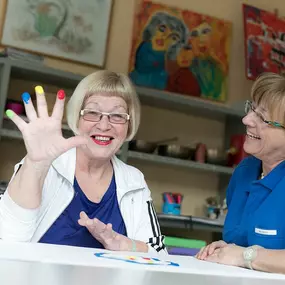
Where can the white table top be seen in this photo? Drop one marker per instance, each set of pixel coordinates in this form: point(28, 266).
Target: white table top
point(42, 264)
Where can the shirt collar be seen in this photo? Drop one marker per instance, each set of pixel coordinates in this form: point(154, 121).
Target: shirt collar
point(273, 177)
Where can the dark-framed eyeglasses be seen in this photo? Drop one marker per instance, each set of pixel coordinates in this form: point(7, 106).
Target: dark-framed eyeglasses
point(248, 107)
point(96, 116)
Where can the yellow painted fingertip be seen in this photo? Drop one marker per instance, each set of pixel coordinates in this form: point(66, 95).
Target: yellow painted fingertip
point(39, 89)
point(9, 113)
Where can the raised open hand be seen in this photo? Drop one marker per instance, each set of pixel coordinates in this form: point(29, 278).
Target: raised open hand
point(43, 134)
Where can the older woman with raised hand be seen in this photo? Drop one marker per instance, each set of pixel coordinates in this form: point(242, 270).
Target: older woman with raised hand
point(75, 191)
point(256, 193)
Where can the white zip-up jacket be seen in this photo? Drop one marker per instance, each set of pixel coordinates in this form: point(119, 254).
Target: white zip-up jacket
point(134, 198)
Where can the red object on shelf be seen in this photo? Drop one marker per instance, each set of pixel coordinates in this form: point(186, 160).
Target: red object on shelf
point(178, 198)
point(15, 106)
point(200, 153)
point(236, 153)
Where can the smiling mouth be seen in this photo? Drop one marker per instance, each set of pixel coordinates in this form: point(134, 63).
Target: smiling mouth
point(102, 140)
point(251, 136)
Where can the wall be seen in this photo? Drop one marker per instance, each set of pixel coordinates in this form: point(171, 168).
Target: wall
point(121, 30)
point(156, 123)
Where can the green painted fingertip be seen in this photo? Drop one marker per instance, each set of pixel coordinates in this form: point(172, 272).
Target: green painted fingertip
point(9, 114)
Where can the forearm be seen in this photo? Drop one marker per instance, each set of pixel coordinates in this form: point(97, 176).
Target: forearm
point(269, 261)
point(127, 244)
point(26, 187)
point(134, 245)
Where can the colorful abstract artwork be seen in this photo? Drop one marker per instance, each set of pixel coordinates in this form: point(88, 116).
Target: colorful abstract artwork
point(136, 259)
point(69, 29)
point(180, 51)
point(264, 42)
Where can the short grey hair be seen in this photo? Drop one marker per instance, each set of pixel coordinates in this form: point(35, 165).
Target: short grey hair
point(174, 23)
point(268, 91)
point(105, 83)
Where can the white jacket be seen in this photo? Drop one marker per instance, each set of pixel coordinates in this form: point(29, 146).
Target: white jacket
point(134, 198)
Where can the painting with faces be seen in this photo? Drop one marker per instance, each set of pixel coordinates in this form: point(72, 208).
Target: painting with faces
point(264, 42)
point(180, 51)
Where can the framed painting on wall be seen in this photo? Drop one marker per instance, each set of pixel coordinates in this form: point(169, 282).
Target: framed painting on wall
point(264, 37)
point(68, 29)
point(180, 51)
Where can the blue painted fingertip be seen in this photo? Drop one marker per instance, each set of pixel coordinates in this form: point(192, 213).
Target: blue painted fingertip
point(26, 97)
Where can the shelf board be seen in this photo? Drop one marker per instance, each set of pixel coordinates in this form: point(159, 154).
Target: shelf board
point(187, 104)
point(180, 162)
point(37, 71)
point(189, 222)
point(64, 126)
point(13, 134)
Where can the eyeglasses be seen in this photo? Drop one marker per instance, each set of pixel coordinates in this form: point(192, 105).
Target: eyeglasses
point(96, 116)
point(248, 107)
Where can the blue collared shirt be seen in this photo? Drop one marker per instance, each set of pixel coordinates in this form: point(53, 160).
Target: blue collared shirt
point(256, 207)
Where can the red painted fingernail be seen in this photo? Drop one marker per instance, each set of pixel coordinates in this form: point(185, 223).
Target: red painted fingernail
point(61, 94)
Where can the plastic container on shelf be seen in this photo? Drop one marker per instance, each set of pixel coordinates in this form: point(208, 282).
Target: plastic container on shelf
point(15, 106)
point(182, 242)
point(172, 209)
point(182, 246)
point(183, 251)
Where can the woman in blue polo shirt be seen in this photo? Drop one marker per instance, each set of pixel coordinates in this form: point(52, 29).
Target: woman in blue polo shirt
point(256, 192)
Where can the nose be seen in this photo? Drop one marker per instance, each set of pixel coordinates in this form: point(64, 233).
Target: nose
point(249, 120)
point(104, 124)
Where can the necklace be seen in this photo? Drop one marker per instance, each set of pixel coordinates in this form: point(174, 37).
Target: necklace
point(262, 176)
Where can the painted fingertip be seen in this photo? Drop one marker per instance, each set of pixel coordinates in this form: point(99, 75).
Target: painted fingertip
point(39, 89)
point(9, 113)
point(61, 94)
point(26, 97)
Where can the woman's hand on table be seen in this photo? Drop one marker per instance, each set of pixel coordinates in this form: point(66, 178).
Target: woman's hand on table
point(230, 254)
point(105, 234)
point(210, 249)
point(43, 134)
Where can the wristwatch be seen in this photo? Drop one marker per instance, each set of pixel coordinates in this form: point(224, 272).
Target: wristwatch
point(249, 255)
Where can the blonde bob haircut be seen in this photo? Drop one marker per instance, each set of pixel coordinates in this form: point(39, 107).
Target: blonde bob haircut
point(268, 92)
point(105, 83)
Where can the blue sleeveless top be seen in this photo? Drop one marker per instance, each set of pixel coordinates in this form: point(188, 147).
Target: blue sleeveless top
point(66, 230)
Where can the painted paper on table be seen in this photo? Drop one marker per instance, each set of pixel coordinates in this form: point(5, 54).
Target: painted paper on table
point(136, 259)
point(180, 51)
point(264, 42)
